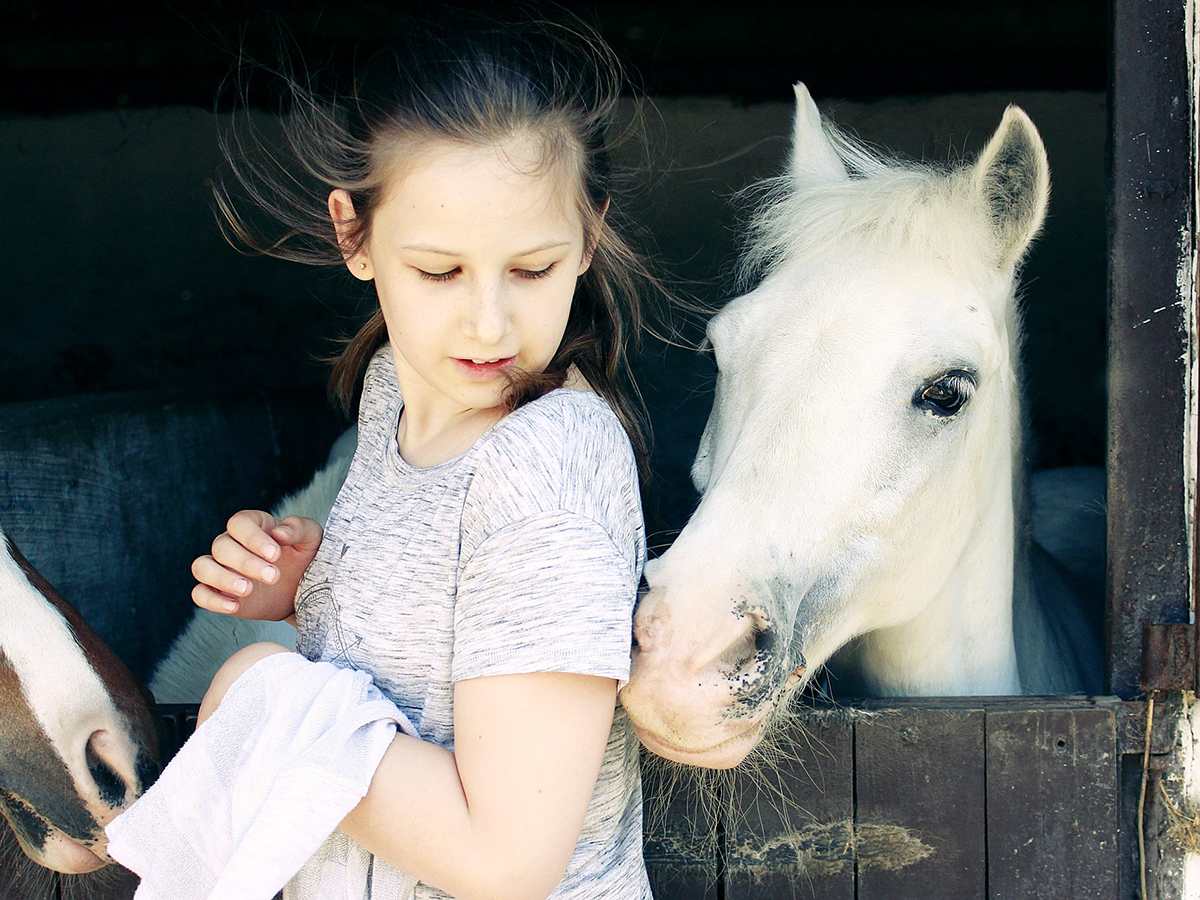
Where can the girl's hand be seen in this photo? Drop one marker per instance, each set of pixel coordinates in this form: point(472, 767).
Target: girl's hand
point(256, 565)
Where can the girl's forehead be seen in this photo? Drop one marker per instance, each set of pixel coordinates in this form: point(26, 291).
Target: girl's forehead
point(522, 160)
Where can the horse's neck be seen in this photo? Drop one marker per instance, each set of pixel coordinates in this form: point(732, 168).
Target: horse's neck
point(961, 642)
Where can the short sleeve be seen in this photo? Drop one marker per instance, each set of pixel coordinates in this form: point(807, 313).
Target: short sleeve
point(550, 593)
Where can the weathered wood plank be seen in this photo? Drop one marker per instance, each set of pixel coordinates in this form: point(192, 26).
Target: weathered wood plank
point(791, 815)
point(1151, 240)
point(681, 816)
point(1052, 795)
point(110, 883)
point(921, 794)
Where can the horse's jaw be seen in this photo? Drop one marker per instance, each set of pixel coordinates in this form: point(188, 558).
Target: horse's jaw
point(928, 658)
point(960, 642)
point(919, 613)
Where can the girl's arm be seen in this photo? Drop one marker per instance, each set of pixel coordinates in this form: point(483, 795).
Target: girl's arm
point(498, 818)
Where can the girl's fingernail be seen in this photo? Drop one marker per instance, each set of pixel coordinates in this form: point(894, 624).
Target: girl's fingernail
point(241, 585)
point(270, 573)
point(230, 605)
point(271, 552)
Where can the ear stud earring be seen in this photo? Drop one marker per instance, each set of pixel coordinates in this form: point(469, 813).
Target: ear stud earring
point(362, 265)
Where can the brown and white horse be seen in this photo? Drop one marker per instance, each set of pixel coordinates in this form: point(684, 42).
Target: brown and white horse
point(77, 737)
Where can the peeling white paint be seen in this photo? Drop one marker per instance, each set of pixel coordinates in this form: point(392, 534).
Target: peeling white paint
point(1189, 725)
point(1189, 746)
point(1185, 283)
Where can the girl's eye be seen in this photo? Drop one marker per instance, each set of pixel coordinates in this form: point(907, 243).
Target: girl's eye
point(438, 276)
point(537, 273)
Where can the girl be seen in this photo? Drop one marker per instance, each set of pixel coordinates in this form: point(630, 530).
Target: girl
point(482, 559)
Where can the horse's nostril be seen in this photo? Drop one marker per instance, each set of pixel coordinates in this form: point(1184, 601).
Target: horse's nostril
point(748, 662)
point(643, 636)
point(109, 784)
point(764, 638)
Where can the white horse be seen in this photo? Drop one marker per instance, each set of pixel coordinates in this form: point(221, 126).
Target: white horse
point(861, 470)
point(77, 738)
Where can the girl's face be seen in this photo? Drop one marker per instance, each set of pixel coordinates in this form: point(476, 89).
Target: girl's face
point(475, 252)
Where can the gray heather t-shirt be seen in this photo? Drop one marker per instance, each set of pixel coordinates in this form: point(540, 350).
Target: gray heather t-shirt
point(522, 555)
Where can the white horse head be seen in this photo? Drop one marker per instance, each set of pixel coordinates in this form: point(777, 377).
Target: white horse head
point(860, 463)
point(77, 736)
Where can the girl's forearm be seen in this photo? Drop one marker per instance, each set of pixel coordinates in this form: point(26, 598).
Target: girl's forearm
point(498, 819)
point(394, 820)
point(416, 818)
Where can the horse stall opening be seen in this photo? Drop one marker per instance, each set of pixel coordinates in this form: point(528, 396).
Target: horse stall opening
point(127, 432)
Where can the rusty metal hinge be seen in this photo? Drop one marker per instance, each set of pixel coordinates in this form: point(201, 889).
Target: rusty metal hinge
point(1168, 657)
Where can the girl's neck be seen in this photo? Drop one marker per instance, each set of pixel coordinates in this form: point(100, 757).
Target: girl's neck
point(426, 437)
point(425, 442)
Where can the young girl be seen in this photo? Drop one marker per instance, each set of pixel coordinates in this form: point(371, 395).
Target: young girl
point(482, 559)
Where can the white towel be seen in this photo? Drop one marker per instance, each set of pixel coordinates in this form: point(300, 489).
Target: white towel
point(261, 785)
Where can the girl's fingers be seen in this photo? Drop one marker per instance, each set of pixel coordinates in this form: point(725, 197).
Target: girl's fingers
point(298, 532)
point(212, 574)
point(251, 528)
point(214, 601)
point(234, 556)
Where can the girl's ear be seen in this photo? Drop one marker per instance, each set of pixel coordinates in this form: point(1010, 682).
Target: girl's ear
point(341, 210)
point(590, 250)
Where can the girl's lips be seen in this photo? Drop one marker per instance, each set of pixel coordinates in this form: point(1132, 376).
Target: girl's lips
point(484, 371)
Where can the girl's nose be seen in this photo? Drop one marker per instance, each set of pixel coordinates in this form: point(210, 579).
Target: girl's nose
point(489, 321)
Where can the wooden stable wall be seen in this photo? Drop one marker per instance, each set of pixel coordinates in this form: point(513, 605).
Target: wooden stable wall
point(968, 799)
point(962, 799)
point(111, 496)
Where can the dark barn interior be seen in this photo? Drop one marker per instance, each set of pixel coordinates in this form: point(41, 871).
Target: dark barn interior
point(109, 133)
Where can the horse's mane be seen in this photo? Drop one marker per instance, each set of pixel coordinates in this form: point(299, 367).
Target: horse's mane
point(887, 203)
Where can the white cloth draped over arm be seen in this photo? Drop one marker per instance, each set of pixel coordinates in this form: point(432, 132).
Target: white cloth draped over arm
point(261, 785)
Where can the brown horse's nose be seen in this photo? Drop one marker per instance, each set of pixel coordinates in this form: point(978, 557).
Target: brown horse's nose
point(117, 769)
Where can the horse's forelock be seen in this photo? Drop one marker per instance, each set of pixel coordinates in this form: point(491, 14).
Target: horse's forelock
point(887, 204)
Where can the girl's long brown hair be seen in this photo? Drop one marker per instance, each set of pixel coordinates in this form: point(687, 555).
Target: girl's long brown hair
point(471, 80)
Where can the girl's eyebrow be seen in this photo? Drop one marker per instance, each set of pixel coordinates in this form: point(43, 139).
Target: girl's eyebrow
point(424, 248)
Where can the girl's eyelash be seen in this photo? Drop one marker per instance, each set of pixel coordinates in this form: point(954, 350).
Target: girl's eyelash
point(538, 273)
point(438, 276)
point(524, 273)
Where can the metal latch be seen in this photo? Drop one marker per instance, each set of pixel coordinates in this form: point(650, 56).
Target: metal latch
point(1168, 657)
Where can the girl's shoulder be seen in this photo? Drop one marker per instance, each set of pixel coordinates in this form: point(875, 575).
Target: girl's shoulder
point(565, 452)
point(564, 427)
point(380, 387)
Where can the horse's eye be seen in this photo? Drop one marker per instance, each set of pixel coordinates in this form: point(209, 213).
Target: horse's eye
point(947, 394)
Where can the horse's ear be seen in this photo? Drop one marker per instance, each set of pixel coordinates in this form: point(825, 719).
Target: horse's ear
point(1012, 177)
point(814, 160)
